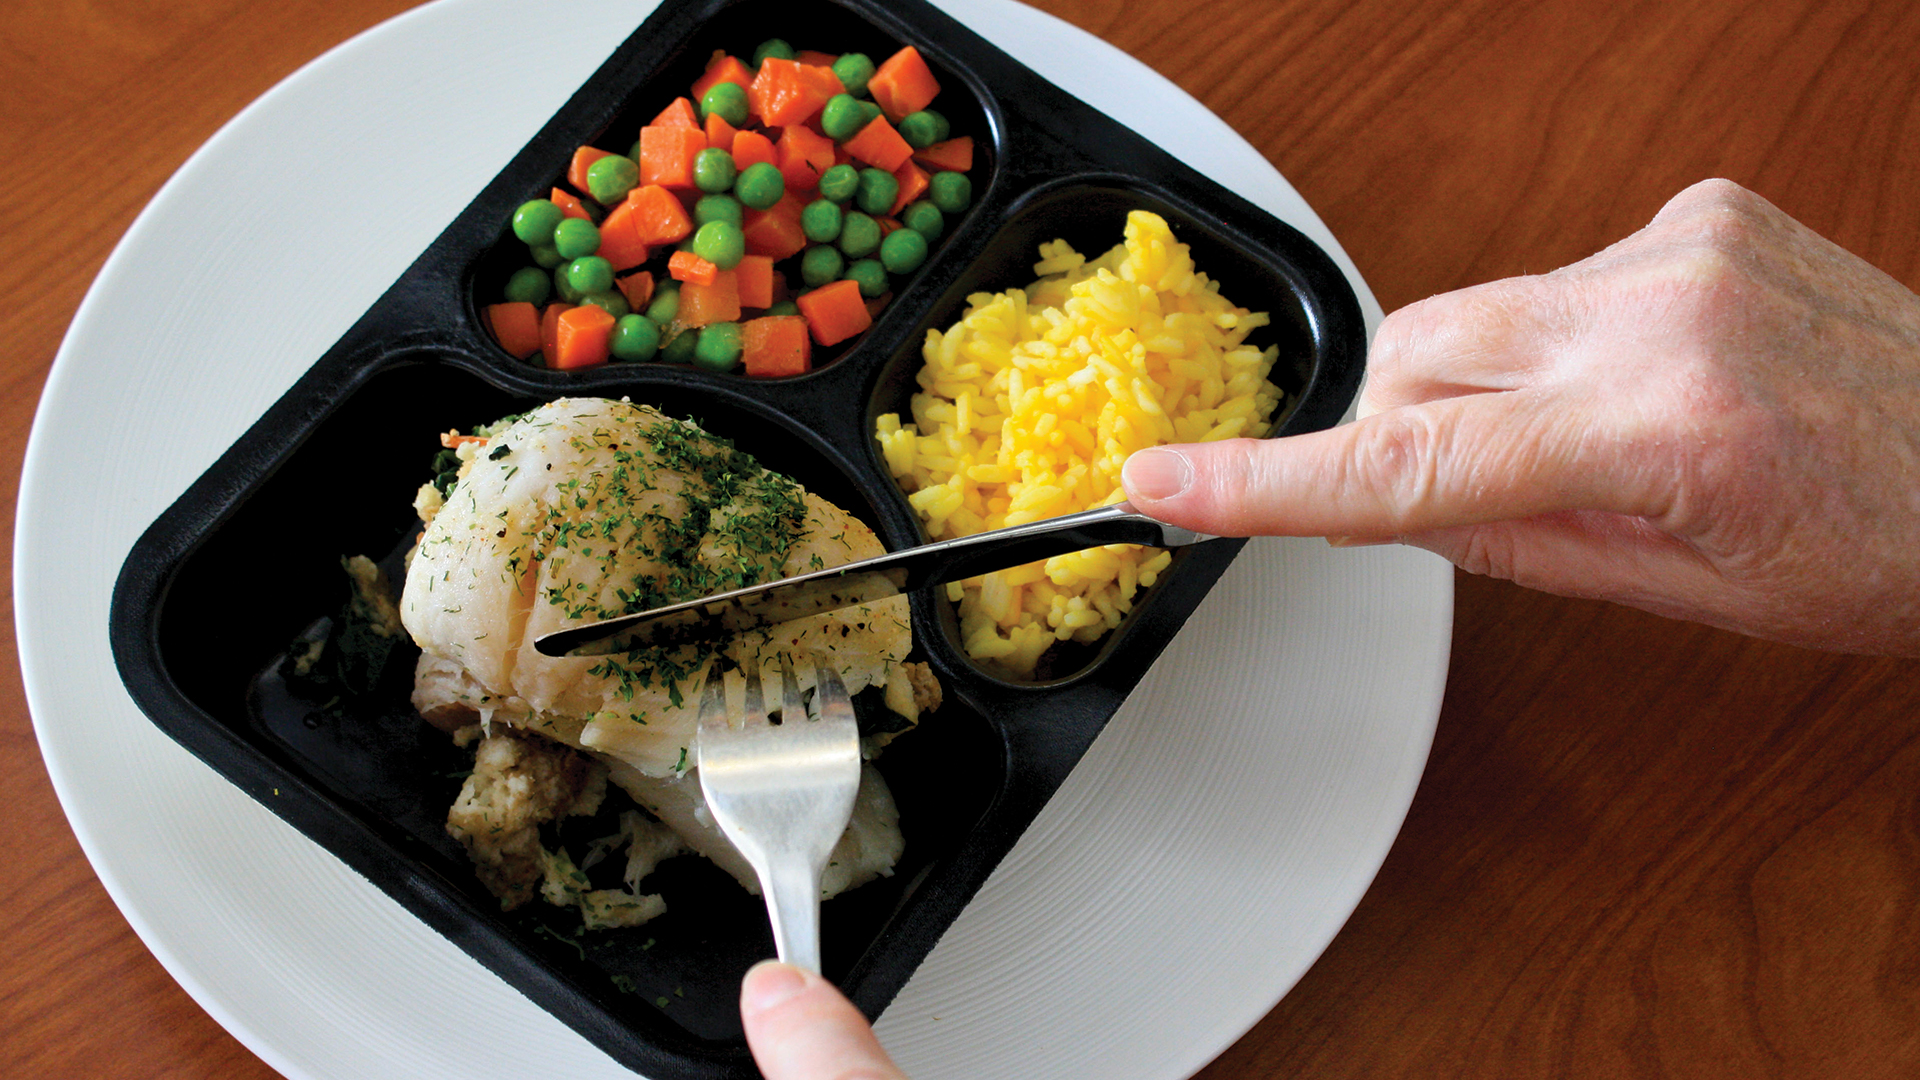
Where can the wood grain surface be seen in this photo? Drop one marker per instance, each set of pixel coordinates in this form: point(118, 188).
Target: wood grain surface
point(1641, 849)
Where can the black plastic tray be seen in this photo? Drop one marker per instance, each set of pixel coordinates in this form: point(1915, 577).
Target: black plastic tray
point(330, 470)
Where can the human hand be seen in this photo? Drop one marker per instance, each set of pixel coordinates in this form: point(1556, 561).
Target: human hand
point(1716, 419)
point(800, 1027)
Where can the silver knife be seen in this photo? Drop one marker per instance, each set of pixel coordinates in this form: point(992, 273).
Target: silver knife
point(865, 581)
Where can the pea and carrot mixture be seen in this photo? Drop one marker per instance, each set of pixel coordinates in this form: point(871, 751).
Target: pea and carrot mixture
point(831, 170)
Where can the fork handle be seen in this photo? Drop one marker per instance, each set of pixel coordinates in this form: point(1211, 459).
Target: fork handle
point(792, 891)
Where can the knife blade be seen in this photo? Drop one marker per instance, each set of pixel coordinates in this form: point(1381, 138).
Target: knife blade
point(865, 581)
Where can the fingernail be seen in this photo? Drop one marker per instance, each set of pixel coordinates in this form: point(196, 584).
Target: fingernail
point(1358, 541)
point(769, 985)
point(1156, 474)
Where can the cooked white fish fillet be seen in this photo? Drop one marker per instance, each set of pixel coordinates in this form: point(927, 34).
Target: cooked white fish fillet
point(585, 507)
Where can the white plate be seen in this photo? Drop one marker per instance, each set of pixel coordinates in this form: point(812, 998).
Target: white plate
point(1194, 865)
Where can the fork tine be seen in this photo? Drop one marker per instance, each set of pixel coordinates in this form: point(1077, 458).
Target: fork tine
point(713, 699)
point(830, 694)
point(756, 700)
point(792, 709)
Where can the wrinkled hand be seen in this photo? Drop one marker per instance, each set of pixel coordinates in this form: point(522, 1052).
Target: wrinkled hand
point(1717, 419)
point(800, 1027)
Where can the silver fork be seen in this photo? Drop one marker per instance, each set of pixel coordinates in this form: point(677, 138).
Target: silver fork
point(783, 792)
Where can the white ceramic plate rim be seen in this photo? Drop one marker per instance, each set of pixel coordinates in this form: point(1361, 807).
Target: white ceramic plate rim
point(1237, 807)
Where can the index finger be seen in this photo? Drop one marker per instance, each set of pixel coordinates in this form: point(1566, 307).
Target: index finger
point(1439, 464)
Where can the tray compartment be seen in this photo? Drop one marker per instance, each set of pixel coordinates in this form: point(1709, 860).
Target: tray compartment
point(1090, 214)
point(735, 27)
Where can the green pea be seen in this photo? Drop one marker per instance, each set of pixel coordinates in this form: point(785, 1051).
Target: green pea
point(590, 274)
point(903, 251)
point(720, 243)
point(924, 218)
point(529, 285)
point(634, 337)
point(842, 118)
point(563, 285)
point(924, 128)
point(772, 47)
point(573, 238)
point(784, 307)
point(726, 98)
point(859, 235)
point(718, 347)
point(719, 208)
point(821, 221)
point(821, 265)
point(950, 191)
point(760, 185)
point(854, 69)
point(610, 178)
point(877, 191)
point(713, 170)
point(546, 256)
point(869, 275)
point(872, 111)
point(665, 304)
point(594, 210)
point(839, 183)
point(535, 220)
point(679, 348)
point(611, 301)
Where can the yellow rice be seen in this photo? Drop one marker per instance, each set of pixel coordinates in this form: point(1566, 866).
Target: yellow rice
point(1029, 405)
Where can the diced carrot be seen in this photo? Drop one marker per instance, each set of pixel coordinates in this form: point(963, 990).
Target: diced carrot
point(720, 133)
point(835, 312)
point(755, 279)
point(667, 153)
point(913, 183)
point(581, 338)
point(637, 288)
point(814, 58)
point(550, 328)
point(776, 345)
point(751, 148)
point(780, 292)
point(840, 155)
point(703, 303)
point(877, 304)
point(658, 217)
point(785, 92)
point(879, 145)
point(774, 232)
point(954, 155)
point(688, 267)
point(822, 79)
point(679, 114)
point(516, 326)
point(803, 155)
point(452, 439)
point(722, 68)
point(903, 84)
point(620, 242)
point(583, 160)
point(791, 206)
point(569, 204)
point(888, 225)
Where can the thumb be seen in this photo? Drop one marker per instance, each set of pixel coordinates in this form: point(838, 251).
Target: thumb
point(800, 1027)
point(1458, 461)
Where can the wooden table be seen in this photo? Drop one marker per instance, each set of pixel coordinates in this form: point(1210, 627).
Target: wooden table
point(1642, 848)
